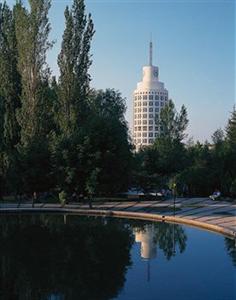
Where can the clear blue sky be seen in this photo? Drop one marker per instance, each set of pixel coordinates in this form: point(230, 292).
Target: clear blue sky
point(194, 47)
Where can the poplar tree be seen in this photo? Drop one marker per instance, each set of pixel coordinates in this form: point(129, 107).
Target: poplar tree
point(74, 61)
point(72, 150)
point(10, 88)
point(32, 30)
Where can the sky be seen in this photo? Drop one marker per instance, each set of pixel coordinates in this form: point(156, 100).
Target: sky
point(194, 48)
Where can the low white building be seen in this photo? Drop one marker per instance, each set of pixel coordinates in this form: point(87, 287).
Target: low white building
point(149, 98)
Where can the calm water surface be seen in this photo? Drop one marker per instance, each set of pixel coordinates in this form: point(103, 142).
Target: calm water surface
point(57, 257)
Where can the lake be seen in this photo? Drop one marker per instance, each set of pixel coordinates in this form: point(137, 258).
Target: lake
point(65, 257)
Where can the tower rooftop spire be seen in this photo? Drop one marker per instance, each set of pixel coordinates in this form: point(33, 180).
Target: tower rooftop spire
point(150, 52)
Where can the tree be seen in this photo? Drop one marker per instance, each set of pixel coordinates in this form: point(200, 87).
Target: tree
point(172, 124)
point(169, 144)
point(70, 145)
point(10, 89)
point(32, 30)
point(231, 129)
point(231, 149)
point(167, 156)
point(110, 142)
point(196, 173)
point(74, 61)
point(218, 137)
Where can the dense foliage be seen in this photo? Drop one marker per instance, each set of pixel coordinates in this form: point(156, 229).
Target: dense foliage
point(56, 135)
point(61, 136)
point(196, 169)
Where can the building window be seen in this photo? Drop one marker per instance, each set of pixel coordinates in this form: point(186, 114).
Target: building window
point(150, 134)
point(144, 128)
point(150, 115)
point(145, 109)
point(144, 116)
point(156, 97)
point(166, 98)
point(138, 141)
point(144, 97)
point(161, 97)
point(150, 109)
point(150, 141)
point(144, 134)
point(145, 141)
point(145, 103)
point(150, 122)
point(150, 103)
point(156, 103)
point(156, 134)
point(139, 128)
point(156, 128)
point(156, 109)
point(150, 128)
point(150, 97)
point(144, 122)
point(162, 103)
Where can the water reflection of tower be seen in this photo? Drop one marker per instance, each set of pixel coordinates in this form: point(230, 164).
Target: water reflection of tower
point(148, 251)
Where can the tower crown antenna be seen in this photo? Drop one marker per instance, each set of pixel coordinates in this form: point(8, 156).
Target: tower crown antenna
point(150, 52)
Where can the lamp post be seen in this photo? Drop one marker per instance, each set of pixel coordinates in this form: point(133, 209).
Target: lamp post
point(174, 195)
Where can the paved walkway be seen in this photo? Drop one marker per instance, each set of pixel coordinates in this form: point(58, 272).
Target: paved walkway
point(219, 216)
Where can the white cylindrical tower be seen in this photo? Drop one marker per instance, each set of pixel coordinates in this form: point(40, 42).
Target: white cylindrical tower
point(149, 98)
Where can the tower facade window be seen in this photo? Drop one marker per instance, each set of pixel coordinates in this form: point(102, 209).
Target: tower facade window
point(149, 98)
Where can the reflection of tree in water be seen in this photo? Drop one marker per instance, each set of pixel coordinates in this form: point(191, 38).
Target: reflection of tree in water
point(169, 237)
point(40, 256)
point(231, 249)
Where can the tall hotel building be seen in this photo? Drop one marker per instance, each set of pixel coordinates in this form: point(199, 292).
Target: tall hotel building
point(149, 98)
